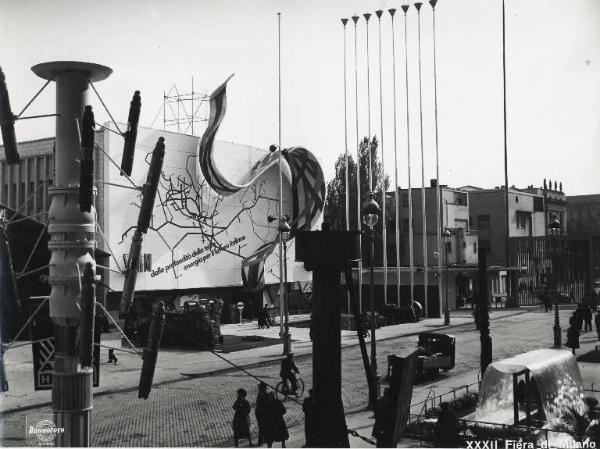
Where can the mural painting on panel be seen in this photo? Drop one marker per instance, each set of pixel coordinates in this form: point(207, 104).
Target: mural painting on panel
point(210, 217)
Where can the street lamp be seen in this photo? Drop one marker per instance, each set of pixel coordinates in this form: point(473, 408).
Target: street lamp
point(447, 235)
point(553, 231)
point(284, 232)
point(370, 217)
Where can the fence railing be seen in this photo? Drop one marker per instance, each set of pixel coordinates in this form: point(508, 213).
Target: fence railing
point(436, 400)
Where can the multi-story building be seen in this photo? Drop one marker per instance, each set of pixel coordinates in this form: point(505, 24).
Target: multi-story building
point(24, 186)
point(584, 220)
point(530, 210)
point(584, 213)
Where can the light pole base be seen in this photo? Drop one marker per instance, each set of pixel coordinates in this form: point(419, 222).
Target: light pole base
point(557, 337)
point(446, 317)
point(287, 343)
point(376, 392)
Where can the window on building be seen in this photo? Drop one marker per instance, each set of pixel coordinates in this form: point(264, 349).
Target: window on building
point(516, 199)
point(483, 221)
point(474, 247)
point(448, 247)
point(522, 220)
point(538, 204)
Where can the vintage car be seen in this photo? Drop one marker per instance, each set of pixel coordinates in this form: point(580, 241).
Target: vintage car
point(436, 351)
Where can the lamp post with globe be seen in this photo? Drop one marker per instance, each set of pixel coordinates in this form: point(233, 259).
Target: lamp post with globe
point(447, 235)
point(553, 232)
point(370, 217)
point(285, 232)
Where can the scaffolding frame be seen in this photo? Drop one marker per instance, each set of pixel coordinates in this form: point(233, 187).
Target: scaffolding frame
point(185, 110)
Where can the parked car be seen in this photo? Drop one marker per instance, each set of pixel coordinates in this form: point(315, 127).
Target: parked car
point(436, 351)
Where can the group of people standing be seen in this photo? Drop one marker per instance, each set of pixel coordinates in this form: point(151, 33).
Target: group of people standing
point(269, 414)
point(581, 319)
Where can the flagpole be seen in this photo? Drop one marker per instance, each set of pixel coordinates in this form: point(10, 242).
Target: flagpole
point(367, 16)
point(282, 305)
point(410, 205)
point(347, 181)
point(383, 222)
point(396, 193)
point(438, 192)
point(358, 198)
point(423, 209)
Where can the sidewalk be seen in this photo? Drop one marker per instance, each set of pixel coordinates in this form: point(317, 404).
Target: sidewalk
point(173, 363)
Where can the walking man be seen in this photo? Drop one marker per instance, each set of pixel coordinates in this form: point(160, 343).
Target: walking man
point(112, 358)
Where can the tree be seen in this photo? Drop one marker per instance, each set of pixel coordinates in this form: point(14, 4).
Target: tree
point(335, 203)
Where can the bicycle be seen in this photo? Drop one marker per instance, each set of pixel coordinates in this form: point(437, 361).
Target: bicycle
point(283, 389)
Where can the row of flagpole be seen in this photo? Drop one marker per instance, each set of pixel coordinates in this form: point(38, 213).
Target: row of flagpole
point(356, 20)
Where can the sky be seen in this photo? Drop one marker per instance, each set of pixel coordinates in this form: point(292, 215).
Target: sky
point(552, 77)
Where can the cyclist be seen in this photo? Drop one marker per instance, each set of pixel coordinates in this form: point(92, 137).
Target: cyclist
point(288, 372)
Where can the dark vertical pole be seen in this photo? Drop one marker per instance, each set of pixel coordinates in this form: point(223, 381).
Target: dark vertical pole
point(552, 253)
point(506, 222)
point(326, 254)
point(484, 326)
point(373, 392)
point(527, 399)
point(515, 401)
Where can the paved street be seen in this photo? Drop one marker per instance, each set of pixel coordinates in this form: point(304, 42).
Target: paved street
point(197, 412)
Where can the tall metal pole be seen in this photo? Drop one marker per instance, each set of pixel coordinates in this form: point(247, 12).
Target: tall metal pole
point(506, 218)
point(358, 197)
point(410, 203)
point(282, 299)
point(396, 192)
point(346, 177)
point(347, 158)
point(383, 223)
point(72, 244)
point(423, 210)
point(438, 189)
point(367, 16)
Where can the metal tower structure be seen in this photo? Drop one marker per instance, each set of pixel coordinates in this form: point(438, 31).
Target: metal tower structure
point(182, 111)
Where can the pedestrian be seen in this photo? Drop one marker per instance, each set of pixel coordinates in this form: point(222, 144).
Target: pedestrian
point(308, 407)
point(276, 429)
point(261, 411)
point(112, 358)
point(266, 316)
point(447, 427)
point(573, 336)
point(241, 418)
point(587, 316)
point(597, 320)
point(261, 319)
point(579, 316)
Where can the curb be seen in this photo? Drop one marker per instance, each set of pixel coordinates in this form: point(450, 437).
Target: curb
point(247, 366)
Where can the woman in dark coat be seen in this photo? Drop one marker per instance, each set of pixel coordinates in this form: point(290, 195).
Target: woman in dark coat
point(262, 407)
point(241, 419)
point(275, 428)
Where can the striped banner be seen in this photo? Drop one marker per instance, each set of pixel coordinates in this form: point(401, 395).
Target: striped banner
point(307, 181)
